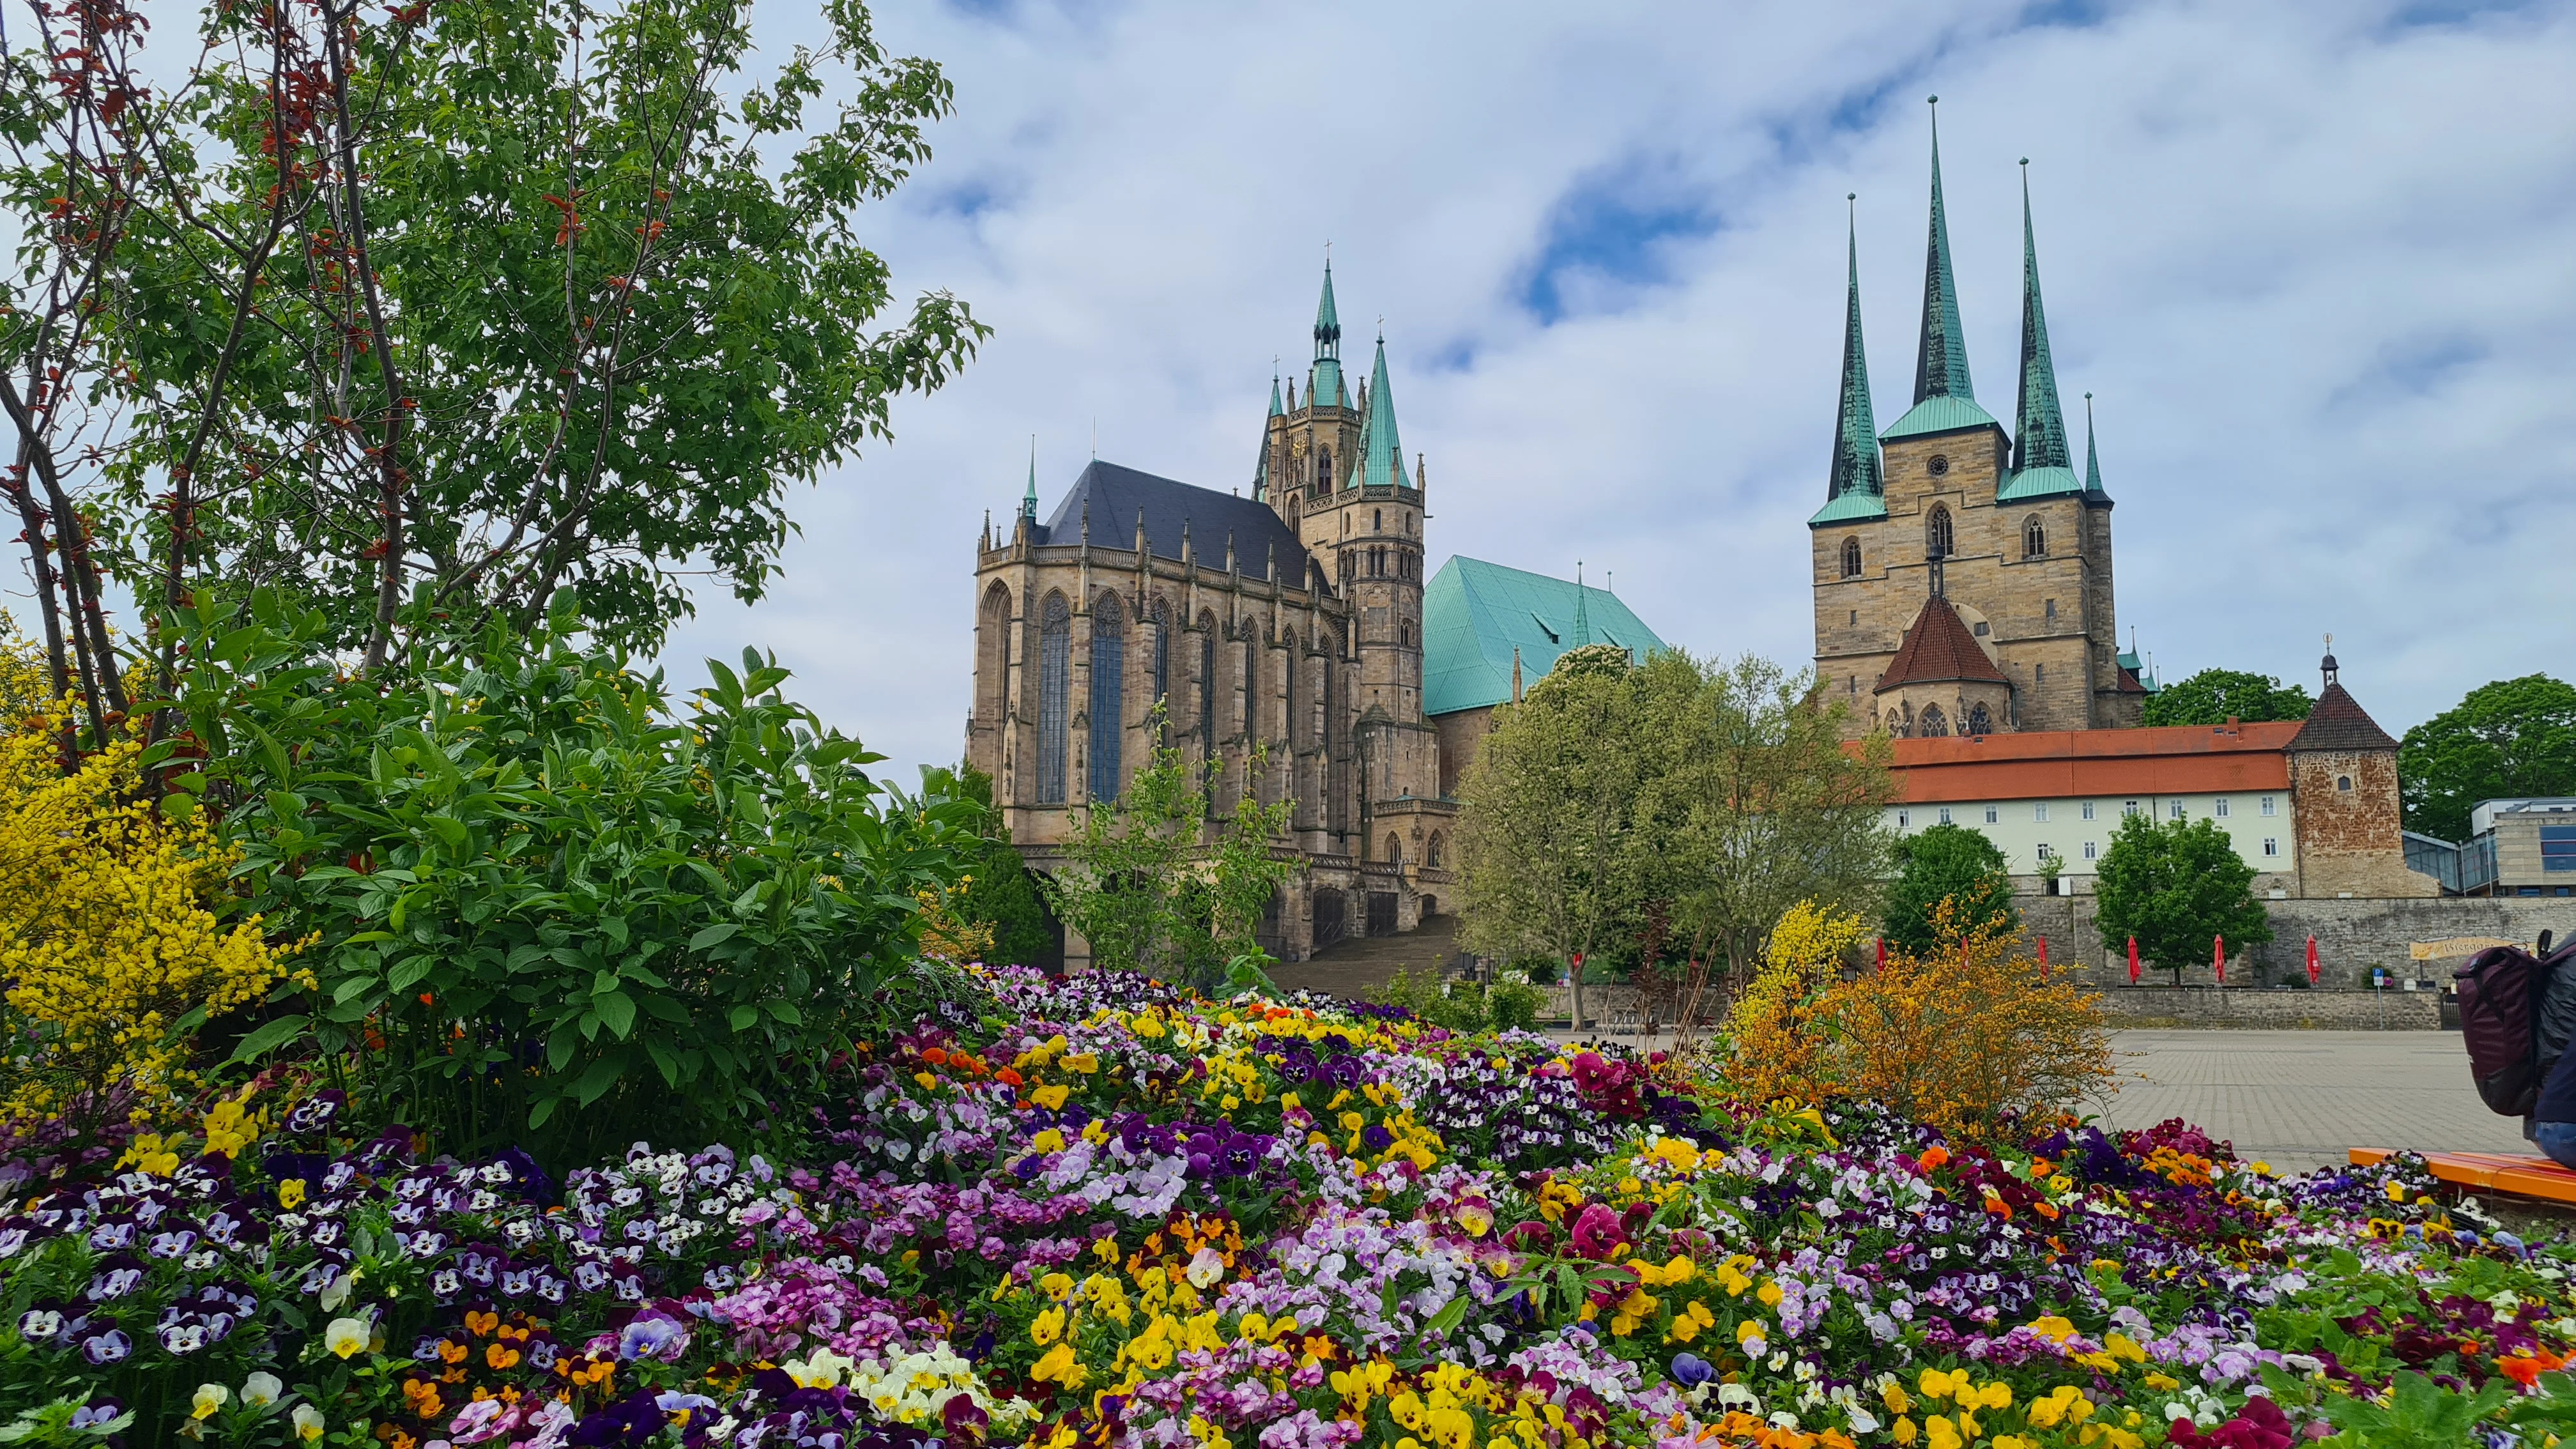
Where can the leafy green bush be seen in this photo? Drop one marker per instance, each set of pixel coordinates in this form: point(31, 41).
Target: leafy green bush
point(1948, 863)
point(1464, 1006)
point(531, 889)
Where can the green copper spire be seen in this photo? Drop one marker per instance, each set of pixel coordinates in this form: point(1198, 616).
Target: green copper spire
point(2039, 439)
point(2043, 464)
point(1275, 409)
point(1941, 361)
point(1582, 616)
point(1029, 500)
point(1381, 453)
point(1856, 463)
point(2092, 459)
point(1324, 386)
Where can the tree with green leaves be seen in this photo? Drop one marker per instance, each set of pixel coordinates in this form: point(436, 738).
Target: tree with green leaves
point(2179, 888)
point(1154, 886)
point(468, 302)
point(1952, 863)
point(2515, 737)
point(1553, 854)
point(2214, 696)
point(1760, 806)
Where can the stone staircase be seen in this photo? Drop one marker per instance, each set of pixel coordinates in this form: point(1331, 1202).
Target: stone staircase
point(1349, 968)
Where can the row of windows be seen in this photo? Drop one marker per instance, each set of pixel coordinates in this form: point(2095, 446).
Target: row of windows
point(1380, 563)
point(2222, 808)
point(1940, 540)
point(2093, 848)
point(2558, 847)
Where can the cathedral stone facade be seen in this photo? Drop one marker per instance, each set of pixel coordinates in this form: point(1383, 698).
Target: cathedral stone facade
point(1287, 624)
point(1962, 574)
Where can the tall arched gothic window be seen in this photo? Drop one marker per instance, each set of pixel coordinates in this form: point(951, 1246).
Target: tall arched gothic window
point(1323, 467)
point(1207, 686)
point(1108, 696)
point(1294, 658)
point(1055, 684)
point(1933, 723)
point(1251, 681)
point(1162, 616)
point(2034, 539)
point(1937, 540)
point(1980, 722)
point(1851, 558)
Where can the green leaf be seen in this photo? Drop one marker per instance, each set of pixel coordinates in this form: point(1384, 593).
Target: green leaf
point(594, 1083)
point(745, 1017)
point(269, 1037)
point(617, 1010)
point(710, 935)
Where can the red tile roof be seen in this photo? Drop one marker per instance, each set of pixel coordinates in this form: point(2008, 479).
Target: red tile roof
point(2062, 764)
point(1937, 649)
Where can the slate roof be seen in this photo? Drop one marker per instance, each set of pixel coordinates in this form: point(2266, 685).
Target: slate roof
point(1116, 494)
point(1938, 648)
point(2338, 722)
point(1474, 613)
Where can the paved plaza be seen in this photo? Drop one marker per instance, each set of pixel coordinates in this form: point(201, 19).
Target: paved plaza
point(2298, 1099)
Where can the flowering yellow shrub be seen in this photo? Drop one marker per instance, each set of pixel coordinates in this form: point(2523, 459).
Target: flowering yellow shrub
point(105, 938)
point(947, 933)
point(1773, 1048)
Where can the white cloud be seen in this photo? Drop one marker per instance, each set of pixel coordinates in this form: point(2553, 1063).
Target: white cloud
point(2313, 259)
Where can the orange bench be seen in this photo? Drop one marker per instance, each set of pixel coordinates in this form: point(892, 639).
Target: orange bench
point(2517, 1173)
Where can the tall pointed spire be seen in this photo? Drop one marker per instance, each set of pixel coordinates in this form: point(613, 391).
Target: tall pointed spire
point(1582, 616)
point(1381, 452)
point(1275, 410)
point(2092, 458)
point(1324, 386)
point(1029, 500)
point(2039, 429)
point(1941, 360)
point(1856, 467)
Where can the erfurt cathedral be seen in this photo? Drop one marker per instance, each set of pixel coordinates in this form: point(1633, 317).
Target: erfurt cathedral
point(1285, 619)
point(1963, 573)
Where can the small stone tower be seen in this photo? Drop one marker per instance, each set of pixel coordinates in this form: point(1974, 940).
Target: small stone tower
point(2343, 785)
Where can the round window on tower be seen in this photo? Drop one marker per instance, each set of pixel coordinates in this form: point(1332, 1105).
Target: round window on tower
point(1939, 465)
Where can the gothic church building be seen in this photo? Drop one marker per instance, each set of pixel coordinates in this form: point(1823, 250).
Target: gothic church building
point(1286, 624)
point(1962, 573)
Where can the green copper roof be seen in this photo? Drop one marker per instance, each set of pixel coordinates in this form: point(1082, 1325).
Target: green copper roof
point(1474, 614)
point(2092, 459)
point(1939, 415)
point(1941, 360)
point(1856, 466)
point(2039, 433)
point(1275, 409)
point(1324, 384)
point(1381, 452)
point(2032, 483)
point(1029, 500)
point(1851, 508)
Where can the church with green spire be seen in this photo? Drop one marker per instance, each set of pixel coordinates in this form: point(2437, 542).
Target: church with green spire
point(1962, 571)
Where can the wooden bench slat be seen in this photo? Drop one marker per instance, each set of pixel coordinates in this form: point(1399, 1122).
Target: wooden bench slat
point(2523, 1175)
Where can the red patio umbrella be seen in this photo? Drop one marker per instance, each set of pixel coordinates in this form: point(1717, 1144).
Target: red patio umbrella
point(2313, 973)
point(2218, 957)
point(2133, 960)
point(2043, 955)
point(1881, 963)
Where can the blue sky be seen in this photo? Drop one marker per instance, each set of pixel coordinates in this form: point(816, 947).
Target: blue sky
point(2317, 261)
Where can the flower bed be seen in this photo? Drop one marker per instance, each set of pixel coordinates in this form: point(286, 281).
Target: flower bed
point(1100, 1211)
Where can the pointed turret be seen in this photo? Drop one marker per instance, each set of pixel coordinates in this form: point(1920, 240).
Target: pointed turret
point(2092, 457)
point(1275, 410)
point(1944, 400)
point(1381, 452)
point(1029, 500)
point(2043, 464)
point(1855, 485)
point(1582, 616)
point(1324, 384)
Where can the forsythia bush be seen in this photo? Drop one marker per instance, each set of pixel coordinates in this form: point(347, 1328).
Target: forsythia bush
point(1967, 1036)
point(105, 938)
point(1774, 1045)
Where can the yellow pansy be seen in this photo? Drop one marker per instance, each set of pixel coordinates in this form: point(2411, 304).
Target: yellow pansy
point(1051, 1096)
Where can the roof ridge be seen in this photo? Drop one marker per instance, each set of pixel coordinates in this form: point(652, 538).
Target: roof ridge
point(1938, 648)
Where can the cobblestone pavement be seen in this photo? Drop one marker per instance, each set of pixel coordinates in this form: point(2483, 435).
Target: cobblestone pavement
point(2298, 1099)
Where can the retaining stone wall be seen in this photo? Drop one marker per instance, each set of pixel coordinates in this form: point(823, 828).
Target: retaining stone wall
point(2207, 1006)
point(2352, 936)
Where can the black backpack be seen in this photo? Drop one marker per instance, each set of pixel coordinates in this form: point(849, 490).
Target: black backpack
point(2517, 1008)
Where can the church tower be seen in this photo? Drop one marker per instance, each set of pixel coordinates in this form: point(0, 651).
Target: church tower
point(1945, 532)
point(1332, 467)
